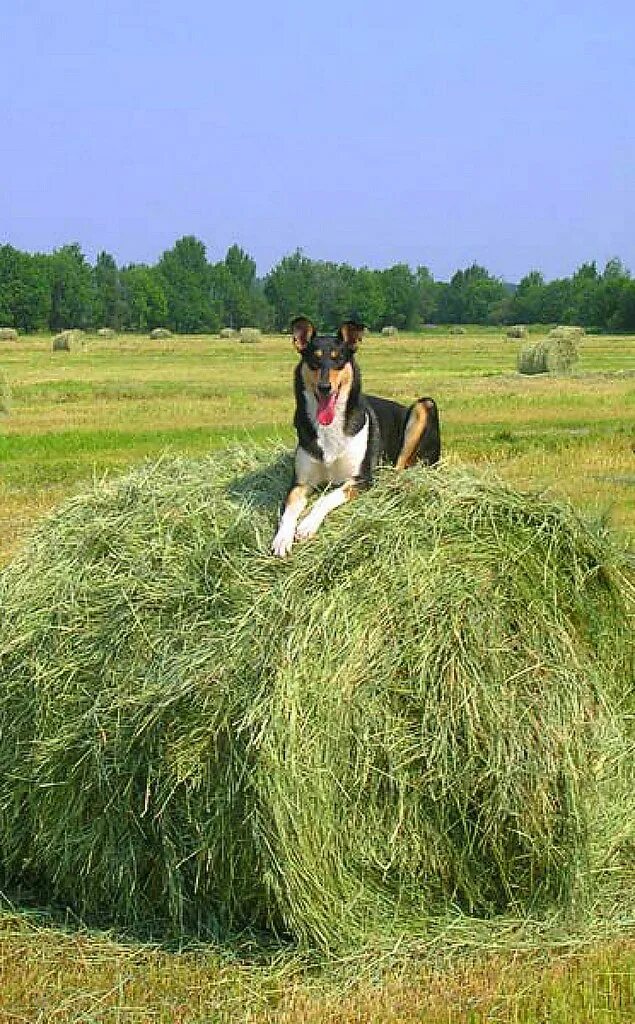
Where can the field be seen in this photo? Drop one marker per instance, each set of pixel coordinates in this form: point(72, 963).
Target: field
point(65, 417)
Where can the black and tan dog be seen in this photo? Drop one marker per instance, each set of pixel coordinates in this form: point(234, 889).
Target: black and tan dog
point(343, 434)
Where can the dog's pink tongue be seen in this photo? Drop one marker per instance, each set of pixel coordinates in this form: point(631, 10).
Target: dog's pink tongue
point(326, 409)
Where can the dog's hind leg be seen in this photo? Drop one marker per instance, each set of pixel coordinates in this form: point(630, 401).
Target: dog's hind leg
point(294, 506)
point(421, 440)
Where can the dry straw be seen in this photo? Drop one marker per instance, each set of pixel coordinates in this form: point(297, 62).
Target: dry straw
point(160, 332)
point(390, 331)
point(68, 340)
point(249, 335)
point(419, 713)
point(8, 334)
point(516, 331)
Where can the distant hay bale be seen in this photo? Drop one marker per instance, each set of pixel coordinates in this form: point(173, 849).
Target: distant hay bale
point(456, 330)
point(228, 332)
point(65, 341)
point(533, 358)
point(8, 334)
point(390, 331)
point(160, 332)
point(106, 332)
point(405, 718)
point(562, 352)
point(250, 334)
point(516, 331)
point(566, 332)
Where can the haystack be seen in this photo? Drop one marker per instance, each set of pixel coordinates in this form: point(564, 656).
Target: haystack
point(403, 719)
point(228, 332)
point(67, 340)
point(160, 332)
point(533, 358)
point(8, 334)
point(390, 331)
point(106, 332)
point(516, 331)
point(249, 335)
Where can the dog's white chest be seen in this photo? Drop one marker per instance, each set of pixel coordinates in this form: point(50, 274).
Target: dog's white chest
point(342, 455)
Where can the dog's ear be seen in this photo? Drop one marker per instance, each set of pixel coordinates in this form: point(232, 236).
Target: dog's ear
point(302, 330)
point(351, 333)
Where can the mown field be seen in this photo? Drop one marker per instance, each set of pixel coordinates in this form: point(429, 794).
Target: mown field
point(65, 417)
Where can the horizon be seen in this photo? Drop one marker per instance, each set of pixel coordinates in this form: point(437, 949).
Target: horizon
point(358, 133)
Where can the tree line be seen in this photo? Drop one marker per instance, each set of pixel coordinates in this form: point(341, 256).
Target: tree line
point(188, 294)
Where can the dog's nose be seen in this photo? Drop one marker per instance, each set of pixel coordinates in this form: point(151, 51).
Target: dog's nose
point(324, 389)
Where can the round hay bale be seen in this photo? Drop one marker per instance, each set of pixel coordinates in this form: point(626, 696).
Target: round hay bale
point(160, 332)
point(228, 332)
point(533, 358)
point(516, 331)
point(566, 332)
point(390, 331)
point(8, 334)
point(249, 335)
point(456, 330)
point(562, 352)
point(106, 332)
point(401, 719)
point(65, 341)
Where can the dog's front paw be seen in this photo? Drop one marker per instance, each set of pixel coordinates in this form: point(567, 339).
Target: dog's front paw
point(307, 528)
point(282, 543)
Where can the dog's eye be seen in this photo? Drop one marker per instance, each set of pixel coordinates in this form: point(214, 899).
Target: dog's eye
point(334, 353)
point(319, 353)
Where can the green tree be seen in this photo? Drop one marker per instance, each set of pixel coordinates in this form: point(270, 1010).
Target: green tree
point(71, 282)
point(25, 295)
point(471, 296)
point(144, 301)
point(367, 297)
point(108, 301)
point(186, 280)
point(291, 288)
point(399, 286)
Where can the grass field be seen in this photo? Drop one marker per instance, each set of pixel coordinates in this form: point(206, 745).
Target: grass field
point(65, 417)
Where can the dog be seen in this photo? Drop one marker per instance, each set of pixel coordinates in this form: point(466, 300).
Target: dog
point(344, 434)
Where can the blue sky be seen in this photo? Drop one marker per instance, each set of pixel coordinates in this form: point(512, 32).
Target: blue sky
point(369, 132)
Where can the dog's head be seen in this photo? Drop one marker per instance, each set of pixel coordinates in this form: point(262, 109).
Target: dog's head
point(327, 363)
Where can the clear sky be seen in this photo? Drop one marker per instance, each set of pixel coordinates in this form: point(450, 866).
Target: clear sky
point(368, 132)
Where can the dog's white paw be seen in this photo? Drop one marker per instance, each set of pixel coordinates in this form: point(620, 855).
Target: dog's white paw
point(282, 543)
point(307, 528)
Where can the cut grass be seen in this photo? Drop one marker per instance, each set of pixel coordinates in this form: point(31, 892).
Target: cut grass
point(416, 712)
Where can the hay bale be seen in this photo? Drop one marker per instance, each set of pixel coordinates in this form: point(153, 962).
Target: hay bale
point(401, 719)
point(456, 330)
point(106, 332)
point(249, 335)
point(566, 332)
point(562, 352)
point(516, 331)
point(228, 332)
point(8, 334)
point(65, 341)
point(160, 332)
point(533, 358)
point(390, 331)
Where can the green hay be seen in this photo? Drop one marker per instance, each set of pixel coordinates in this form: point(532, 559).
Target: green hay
point(421, 712)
